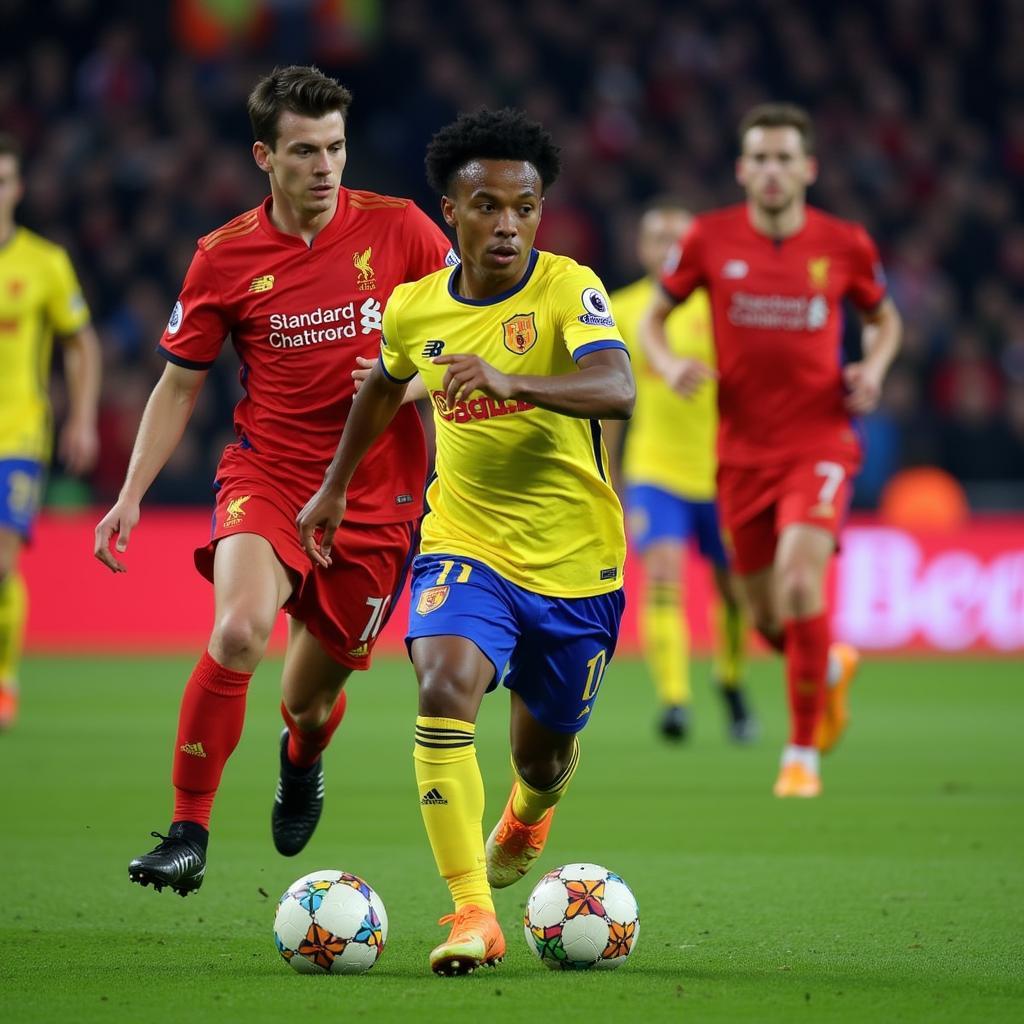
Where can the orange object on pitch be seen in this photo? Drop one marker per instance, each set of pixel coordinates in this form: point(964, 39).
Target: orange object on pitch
point(924, 498)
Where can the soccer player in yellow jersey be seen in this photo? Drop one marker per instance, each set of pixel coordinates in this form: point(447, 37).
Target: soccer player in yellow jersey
point(39, 298)
point(668, 468)
point(519, 579)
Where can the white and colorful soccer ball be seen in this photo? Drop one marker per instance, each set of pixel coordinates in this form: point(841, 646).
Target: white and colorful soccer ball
point(330, 922)
point(581, 916)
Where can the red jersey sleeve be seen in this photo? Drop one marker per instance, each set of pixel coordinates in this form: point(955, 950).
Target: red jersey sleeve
point(867, 278)
point(199, 322)
point(683, 272)
point(426, 247)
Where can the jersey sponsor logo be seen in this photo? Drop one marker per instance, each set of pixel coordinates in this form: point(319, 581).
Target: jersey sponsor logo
point(735, 270)
point(431, 599)
point(403, 499)
point(778, 312)
point(263, 283)
point(236, 511)
point(433, 348)
point(367, 280)
point(177, 315)
point(322, 325)
point(598, 313)
point(520, 333)
point(193, 749)
point(817, 271)
point(360, 652)
point(609, 574)
point(482, 408)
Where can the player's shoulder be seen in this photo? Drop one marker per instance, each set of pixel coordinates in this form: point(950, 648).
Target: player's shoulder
point(722, 218)
point(361, 199)
point(36, 246)
point(235, 229)
point(553, 271)
point(431, 286)
point(830, 225)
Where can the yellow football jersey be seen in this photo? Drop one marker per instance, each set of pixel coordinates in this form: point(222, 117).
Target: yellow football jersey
point(39, 297)
point(670, 442)
point(521, 489)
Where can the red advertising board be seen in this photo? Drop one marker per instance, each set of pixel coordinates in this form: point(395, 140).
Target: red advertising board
point(892, 590)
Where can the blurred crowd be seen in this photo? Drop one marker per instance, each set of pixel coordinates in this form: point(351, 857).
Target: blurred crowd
point(137, 142)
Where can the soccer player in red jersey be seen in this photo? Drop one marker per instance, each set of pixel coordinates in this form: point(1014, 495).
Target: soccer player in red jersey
point(300, 284)
point(777, 271)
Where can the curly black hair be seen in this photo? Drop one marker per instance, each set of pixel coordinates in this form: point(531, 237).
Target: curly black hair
point(490, 135)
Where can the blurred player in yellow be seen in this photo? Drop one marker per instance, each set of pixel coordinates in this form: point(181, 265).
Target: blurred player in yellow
point(39, 298)
point(668, 472)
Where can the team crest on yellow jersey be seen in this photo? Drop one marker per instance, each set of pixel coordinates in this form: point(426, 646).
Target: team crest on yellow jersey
point(431, 599)
point(817, 271)
point(236, 511)
point(263, 283)
point(367, 281)
point(520, 333)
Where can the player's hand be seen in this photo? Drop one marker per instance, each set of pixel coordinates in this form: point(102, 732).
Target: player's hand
point(466, 374)
point(863, 387)
point(121, 519)
point(362, 371)
point(79, 446)
point(324, 511)
point(687, 376)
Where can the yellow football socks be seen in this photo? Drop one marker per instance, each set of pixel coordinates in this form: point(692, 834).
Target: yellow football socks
point(730, 624)
point(529, 805)
point(452, 804)
point(666, 639)
point(13, 609)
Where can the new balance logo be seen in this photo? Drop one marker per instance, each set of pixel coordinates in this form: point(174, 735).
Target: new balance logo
point(193, 749)
point(432, 796)
point(433, 348)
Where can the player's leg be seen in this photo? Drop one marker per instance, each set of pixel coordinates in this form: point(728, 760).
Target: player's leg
point(312, 705)
point(658, 526)
point(13, 613)
point(801, 563)
point(462, 627)
point(21, 484)
point(555, 678)
point(250, 587)
point(729, 624)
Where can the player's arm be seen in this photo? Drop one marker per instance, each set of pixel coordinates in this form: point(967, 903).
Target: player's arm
point(379, 398)
point(79, 442)
point(603, 387)
point(683, 375)
point(880, 339)
point(414, 390)
point(163, 422)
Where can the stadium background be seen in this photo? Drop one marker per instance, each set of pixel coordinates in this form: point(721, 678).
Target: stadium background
point(137, 142)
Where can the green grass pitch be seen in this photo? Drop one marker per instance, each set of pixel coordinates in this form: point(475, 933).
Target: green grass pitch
point(897, 896)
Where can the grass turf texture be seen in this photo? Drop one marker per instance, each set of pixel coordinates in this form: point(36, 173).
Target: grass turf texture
point(896, 896)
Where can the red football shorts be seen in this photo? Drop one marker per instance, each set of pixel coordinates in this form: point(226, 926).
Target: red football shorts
point(344, 606)
point(756, 503)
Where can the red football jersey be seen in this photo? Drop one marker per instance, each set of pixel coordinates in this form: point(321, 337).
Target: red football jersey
point(777, 315)
point(298, 316)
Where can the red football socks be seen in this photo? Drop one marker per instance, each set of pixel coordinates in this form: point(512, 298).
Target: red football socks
point(209, 727)
point(807, 643)
point(305, 747)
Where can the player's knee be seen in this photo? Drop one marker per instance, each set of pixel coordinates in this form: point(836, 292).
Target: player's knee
point(240, 638)
point(540, 769)
point(445, 691)
point(799, 591)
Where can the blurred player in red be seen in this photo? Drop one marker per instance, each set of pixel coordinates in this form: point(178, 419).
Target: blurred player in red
point(777, 272)
point(299, 284)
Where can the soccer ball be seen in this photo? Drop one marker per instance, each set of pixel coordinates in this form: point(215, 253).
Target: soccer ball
point(330, 922)
point(581, 916)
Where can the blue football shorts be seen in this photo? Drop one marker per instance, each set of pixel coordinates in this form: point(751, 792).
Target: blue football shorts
point(655, 514)
point(552, 651)
point(21, 491)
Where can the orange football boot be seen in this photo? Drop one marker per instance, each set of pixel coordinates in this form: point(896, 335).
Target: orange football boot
point(836, 716)
point(513, 846)
point(474, 941)
point(795, 779)
point(8, 706)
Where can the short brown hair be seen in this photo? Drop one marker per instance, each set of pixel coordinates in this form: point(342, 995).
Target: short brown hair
point(9, 146)
point(302, 90)
point(779, 115)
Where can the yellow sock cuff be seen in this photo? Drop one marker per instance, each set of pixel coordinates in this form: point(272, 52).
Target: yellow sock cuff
point(440, 740)
point(13, 613)
point(530, 804)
